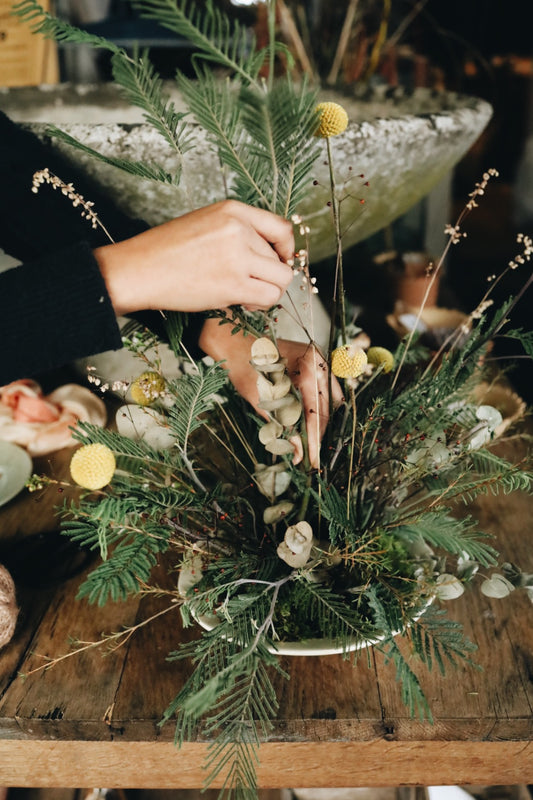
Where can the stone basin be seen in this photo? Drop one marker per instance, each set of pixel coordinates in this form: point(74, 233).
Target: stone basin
point(403, 143)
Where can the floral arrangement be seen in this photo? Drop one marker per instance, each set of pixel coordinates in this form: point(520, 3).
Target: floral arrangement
point(267, 549)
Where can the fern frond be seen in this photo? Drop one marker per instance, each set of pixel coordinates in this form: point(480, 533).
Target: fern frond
point(230, 685)
point(513, 476)
point(331, 613)
point(452, 535)
point(194, 394)
point(467, 487)
point(175, 322)
point(144, 88)
point(236, 746)
point(220, 40)
point(138, 168)
point(122, 574)
point(437, 639)
point(524, 337)
point(215, 106)
point(412, 694)
point(281, 126)
point(334, 510)
point(88, 433)
point(54, 28)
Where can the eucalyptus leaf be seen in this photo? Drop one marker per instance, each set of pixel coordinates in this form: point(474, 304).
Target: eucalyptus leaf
point(496, 586)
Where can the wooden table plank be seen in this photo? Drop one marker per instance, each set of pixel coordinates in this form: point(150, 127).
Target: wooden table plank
point(338, 724)
point(70, 699)
point(313, 764)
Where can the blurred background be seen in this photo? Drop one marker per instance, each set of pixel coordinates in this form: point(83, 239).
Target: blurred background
point(485, 50)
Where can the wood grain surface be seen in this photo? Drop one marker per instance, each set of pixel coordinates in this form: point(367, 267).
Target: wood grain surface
point(94, 718)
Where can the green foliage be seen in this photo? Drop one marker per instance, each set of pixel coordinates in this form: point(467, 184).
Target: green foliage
point(195, 393)
point(138, 168)
point(388, 620)
point(524, 337)
point(334, 509)
point(398, 455)
point(124, 571)
point(264, 138)
point(219, 40)
point(232, 689)
point(329, 614)
point(440, 641)
point(51, 27)
point(451, 535)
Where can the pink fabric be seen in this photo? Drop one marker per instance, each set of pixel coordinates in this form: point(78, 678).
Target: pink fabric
point(27, 402)
point(41, 423)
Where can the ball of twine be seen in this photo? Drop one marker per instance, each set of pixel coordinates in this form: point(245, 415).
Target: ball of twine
point(8, 606)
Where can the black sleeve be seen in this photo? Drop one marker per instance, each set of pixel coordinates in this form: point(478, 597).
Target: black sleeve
point(55, 306)
point(52, 311)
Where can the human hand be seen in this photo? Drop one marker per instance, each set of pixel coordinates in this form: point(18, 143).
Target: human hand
point(308, 371)
point(305, 365)
point(225, 254)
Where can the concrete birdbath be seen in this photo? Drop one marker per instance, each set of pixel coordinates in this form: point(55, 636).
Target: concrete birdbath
point(404, 143)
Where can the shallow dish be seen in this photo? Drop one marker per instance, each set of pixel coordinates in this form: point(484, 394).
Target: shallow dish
point(305, 647)
point(15, 469)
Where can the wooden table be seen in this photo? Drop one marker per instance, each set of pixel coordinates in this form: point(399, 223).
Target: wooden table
point(94, 720)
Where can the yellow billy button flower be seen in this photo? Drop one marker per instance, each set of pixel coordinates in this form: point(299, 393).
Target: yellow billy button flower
point(348, 361)
point(381, 357)
point(333, 120)
point(147, 388)
point(92, 466)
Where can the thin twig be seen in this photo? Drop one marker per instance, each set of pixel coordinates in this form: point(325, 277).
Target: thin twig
point(342, 45)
